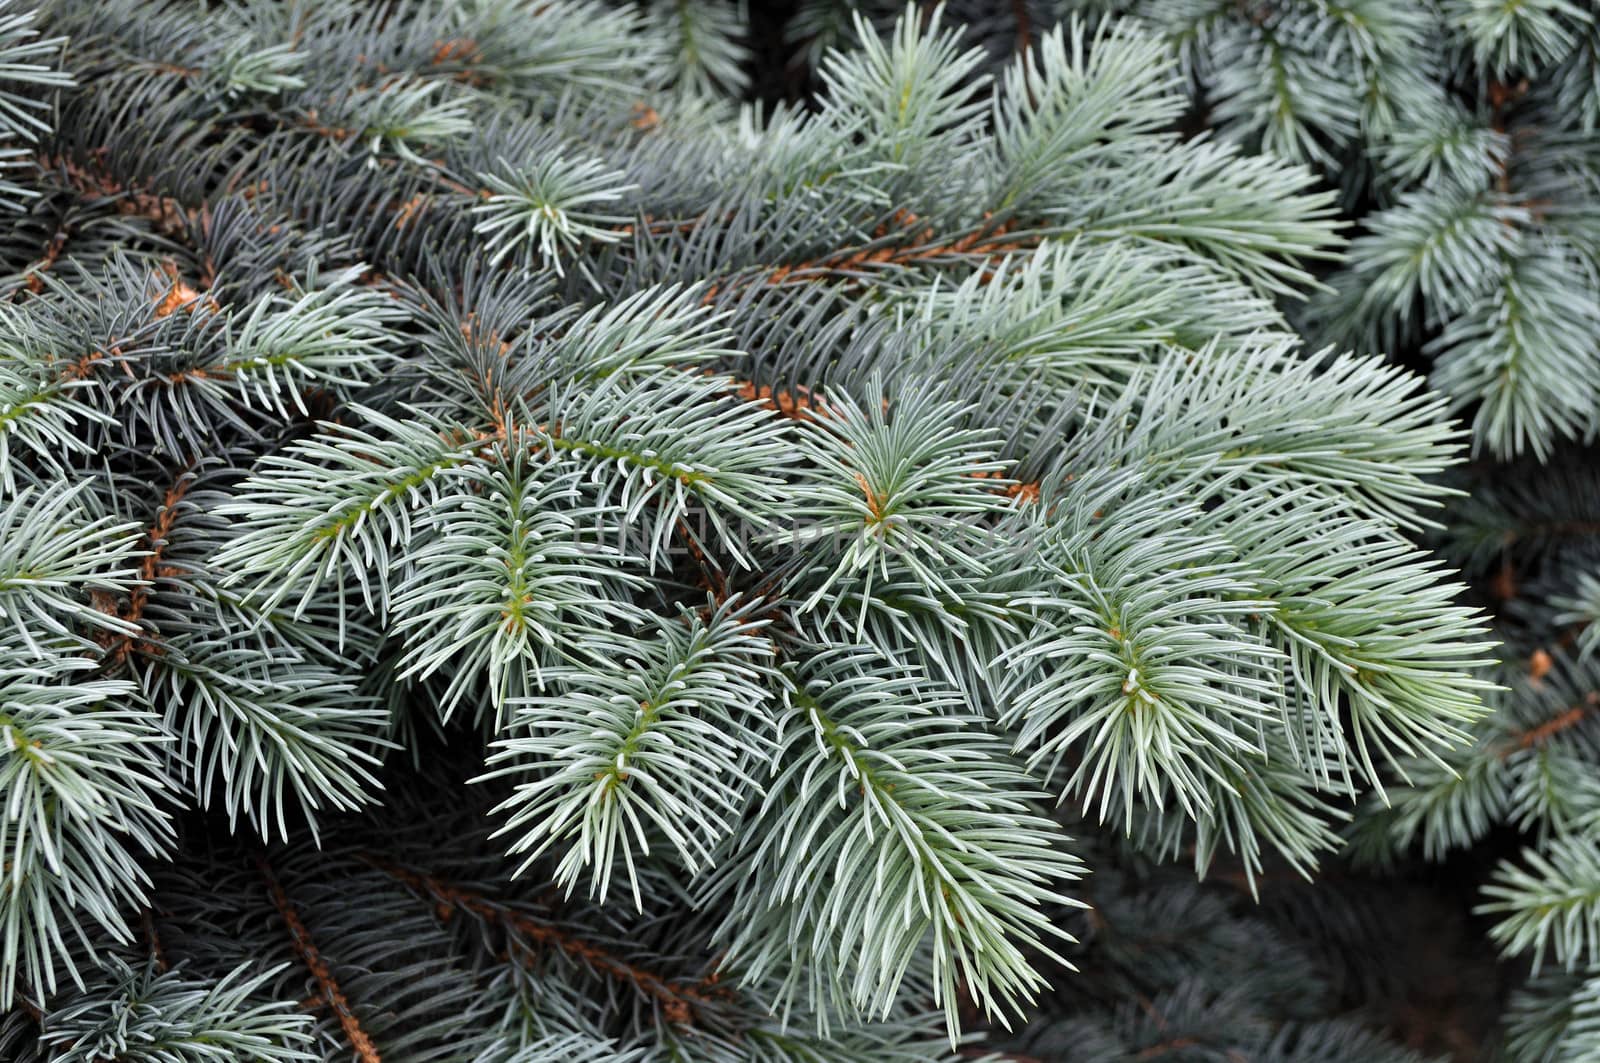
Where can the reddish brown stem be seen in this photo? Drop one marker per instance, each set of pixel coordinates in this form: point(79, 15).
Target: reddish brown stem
point(1563, 721)
point(328, 986)
point(928, 247)
point(118, 646)
point(678, 1001)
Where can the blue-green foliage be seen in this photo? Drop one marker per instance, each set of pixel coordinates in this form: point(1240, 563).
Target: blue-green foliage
point(508, 554)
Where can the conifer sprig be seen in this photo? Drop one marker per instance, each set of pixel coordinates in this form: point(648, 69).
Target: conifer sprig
point(455, 461)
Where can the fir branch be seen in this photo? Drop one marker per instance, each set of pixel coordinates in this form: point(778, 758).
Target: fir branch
point(608, 761)
point(118, 646)
point(904, 242)
point(678, 1000)
point(789, 498)
point(1538, 734)
point(306, 950)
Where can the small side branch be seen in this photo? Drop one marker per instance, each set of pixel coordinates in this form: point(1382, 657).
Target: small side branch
point(989, 242)
point(306, 950)
point(147, 923)
point(678, 1001)
point(1563, 721)
point(1019, 13)
point(118, 646)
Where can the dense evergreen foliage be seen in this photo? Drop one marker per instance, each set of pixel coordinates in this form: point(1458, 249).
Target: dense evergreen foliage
point(527, 534)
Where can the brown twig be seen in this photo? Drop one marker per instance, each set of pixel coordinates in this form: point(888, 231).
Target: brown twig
point(928, 247)
point(1019, 12)
point(1561, 528)
point(306, 950)
point(1501, 97)
point(1171, 1044)
point(119, 644)
point(147, 922)
point(52, 252)
point(678, 1000)
point(1562, 721)
point(711, 575)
